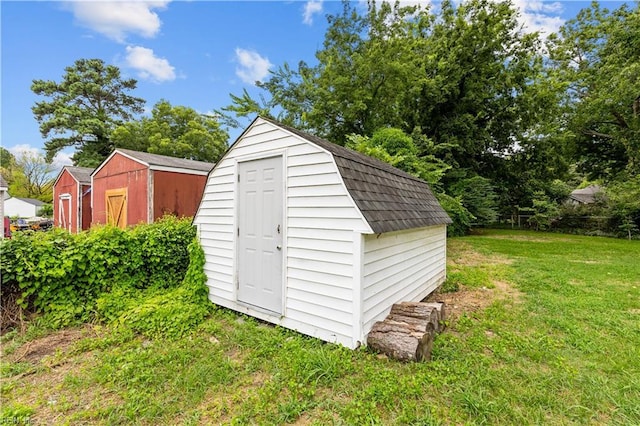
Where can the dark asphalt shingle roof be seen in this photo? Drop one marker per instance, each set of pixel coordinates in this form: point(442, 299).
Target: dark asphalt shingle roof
point(81, 174)
point(3, 183)
point(586, 195)
point(389, 198)
point(166, 161)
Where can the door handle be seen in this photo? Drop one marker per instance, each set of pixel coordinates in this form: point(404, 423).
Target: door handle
point(279, 247)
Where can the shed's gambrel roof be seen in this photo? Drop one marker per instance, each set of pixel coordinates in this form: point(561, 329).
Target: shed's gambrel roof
point(389, 198)
point(81, 174)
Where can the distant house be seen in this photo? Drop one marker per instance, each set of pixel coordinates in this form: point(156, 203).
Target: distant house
point(586, 195)
point(72, 199)
point(132, 187)
point(22, 207)
point(315, 237)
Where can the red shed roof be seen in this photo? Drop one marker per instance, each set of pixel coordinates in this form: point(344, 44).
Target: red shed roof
point(162, 162)
point(81, 174)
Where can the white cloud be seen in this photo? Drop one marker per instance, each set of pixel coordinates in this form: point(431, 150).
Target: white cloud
point(420, 3)
point(149, 66)
point(536, 15)
point(403, 3)
point(62, 159)
point(19, 150)
point(539, 6)
point(311, 8)
point(116, 19)
point(252, 67)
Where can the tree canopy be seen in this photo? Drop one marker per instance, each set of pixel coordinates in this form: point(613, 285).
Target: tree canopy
point(595, 59)
point(506, 114)
point(30, 175)
point(176, 131)
point(464, 81)
point(83, 109)
point(495, 118)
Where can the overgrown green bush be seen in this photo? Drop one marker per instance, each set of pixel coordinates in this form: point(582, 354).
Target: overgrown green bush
point(624, 205)
point(62, 275)
point(461, 217)
point(615, 213)
point(155, 311)
point(545, 210)
point(477, 195)
point(163, 250)
point(588, 219)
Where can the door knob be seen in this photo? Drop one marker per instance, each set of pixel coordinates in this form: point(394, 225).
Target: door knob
point(279, 247)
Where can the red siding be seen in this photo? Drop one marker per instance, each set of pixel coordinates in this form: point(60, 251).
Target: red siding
point(85, 207)
point(66, 184)
point(176, 193)
point(122, 172)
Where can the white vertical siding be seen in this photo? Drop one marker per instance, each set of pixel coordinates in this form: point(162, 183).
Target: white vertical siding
point(401, 266)
point(320, 220)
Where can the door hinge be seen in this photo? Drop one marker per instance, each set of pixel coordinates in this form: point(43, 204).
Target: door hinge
point(238, 177)
point(238, 232)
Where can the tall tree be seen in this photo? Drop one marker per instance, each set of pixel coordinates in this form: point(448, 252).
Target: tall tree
point(83, 109)
point(465, 78)
point(32, 177)
point(176, 131)
point(395, 147)
point(596, 59)
point(364, 66)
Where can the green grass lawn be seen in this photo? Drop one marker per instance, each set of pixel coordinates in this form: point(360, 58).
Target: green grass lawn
point(561, 345)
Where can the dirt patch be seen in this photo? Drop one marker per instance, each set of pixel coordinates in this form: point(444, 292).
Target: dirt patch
point(528, 238)
point(48, 393)
point(587, 262)
point(59, 342)
point(465, 255)
point(468, 300)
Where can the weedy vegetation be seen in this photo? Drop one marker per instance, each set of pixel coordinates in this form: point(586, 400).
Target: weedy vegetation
point(552, 337)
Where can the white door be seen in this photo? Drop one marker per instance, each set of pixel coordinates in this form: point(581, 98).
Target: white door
point(260, 233)
point(64, 211)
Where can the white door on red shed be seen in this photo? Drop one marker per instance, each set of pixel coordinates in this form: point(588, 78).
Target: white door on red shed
point(260, 228)
point(64, 211)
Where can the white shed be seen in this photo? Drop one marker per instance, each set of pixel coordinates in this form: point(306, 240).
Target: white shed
point(303, 233)
point(22, 207)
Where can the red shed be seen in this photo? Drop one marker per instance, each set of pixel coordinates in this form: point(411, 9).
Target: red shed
point(72, 199)
point(132, 187)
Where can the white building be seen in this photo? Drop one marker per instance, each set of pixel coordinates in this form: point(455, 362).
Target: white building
point(317, 238)
point(22, 207)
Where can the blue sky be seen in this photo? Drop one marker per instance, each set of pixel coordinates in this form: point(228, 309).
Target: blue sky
point(191, 53)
